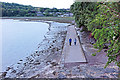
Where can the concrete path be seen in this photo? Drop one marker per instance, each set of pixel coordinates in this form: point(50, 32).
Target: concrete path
point(73, 53)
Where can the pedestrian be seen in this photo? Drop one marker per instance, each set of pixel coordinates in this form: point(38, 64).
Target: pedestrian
point(75, 40)
point(70, 41)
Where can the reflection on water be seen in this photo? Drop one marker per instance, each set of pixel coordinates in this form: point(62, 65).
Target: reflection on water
point(20, 39)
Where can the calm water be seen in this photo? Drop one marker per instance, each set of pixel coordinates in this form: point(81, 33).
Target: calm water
point(20, 39)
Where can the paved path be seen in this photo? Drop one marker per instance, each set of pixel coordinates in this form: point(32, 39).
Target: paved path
point(72, 53)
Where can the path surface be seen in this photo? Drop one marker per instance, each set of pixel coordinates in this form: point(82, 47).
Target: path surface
point(73, 53)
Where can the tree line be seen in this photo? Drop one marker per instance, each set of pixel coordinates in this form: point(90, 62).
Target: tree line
point(18, 10)
point(103, 20)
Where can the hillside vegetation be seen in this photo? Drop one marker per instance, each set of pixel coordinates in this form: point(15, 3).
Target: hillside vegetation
point(103, 20)
point(18, 10)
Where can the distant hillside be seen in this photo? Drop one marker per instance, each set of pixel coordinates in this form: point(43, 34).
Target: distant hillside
point(18, 10)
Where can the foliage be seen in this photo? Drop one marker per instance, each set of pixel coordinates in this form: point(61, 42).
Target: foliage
point(18, 10)
point(103, 20)
point(82, 12)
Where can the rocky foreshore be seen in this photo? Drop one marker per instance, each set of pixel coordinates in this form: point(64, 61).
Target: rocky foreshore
point(47, 55)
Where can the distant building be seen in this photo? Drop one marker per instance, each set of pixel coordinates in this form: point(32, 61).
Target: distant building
point(31, 11)
point(40, 14)
point(66, 15)
point(71, 14)
point(51, 13)
point(60, 15)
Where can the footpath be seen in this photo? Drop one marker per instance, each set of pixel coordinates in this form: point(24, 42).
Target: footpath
point(73, 53)
point(76, 64)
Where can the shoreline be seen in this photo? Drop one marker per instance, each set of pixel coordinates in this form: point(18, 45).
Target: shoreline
point(55, 41)
point(55, 19)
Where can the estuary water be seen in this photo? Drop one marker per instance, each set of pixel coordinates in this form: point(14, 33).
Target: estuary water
point(20, 39)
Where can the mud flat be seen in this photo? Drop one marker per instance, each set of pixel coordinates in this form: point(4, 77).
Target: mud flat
point(55, 19)
point(47, 55)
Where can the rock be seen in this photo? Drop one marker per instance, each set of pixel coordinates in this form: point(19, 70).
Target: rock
point(53, 41)
point(61, 65)
point(14, 71)
point(60, 75)
point(104, 76)
point(36, 51)
point(36, 60)
point(4, 74)
point(21, 60)
point(54, 63)
point(69, 75)
point(54, 72)
point(48, 61)
point(24, 64)
point(34, 76)
point(8, 68)
point(38, 55)
point(57, 49)
point(37, 63)
point(89, 76)
point(110, 70)
point(18, 63)
point(105, 50)
point(31, 60)
point(53, 50)
point(114, 75)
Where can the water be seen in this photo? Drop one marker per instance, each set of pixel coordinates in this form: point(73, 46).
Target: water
point(20, 39)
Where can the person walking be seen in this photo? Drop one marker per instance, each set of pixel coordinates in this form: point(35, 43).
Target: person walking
point(75, 41)
point(70, 41)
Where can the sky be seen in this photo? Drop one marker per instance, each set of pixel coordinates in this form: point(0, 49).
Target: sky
point(44, 3)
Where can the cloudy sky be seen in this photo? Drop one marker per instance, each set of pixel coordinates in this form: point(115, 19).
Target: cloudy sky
point(43, 3)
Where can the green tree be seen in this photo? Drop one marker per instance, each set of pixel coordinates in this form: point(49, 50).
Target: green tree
point(103, 20)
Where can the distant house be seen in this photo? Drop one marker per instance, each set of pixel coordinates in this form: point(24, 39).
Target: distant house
point(71, 14)
point(31, 11)
point(66, 15)
point(60, 15)
point(40, 14)
point(55, 15)
point(50, 12)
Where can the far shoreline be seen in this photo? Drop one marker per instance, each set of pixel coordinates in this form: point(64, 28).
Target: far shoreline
point(55, 19)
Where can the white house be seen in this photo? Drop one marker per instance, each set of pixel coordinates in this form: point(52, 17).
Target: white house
point(40, 14)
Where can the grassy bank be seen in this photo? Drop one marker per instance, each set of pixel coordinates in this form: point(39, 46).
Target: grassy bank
point(56, 19)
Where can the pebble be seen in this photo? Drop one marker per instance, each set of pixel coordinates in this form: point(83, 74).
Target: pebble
point(8, 68)
point(104, 76)
point(4, 74)
point(61, 75)
point(114, 75)
point(37, 63)
point(21, 60)
point(54, 72)
point(110, 70)
point(14, 71)
point(54, 63)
